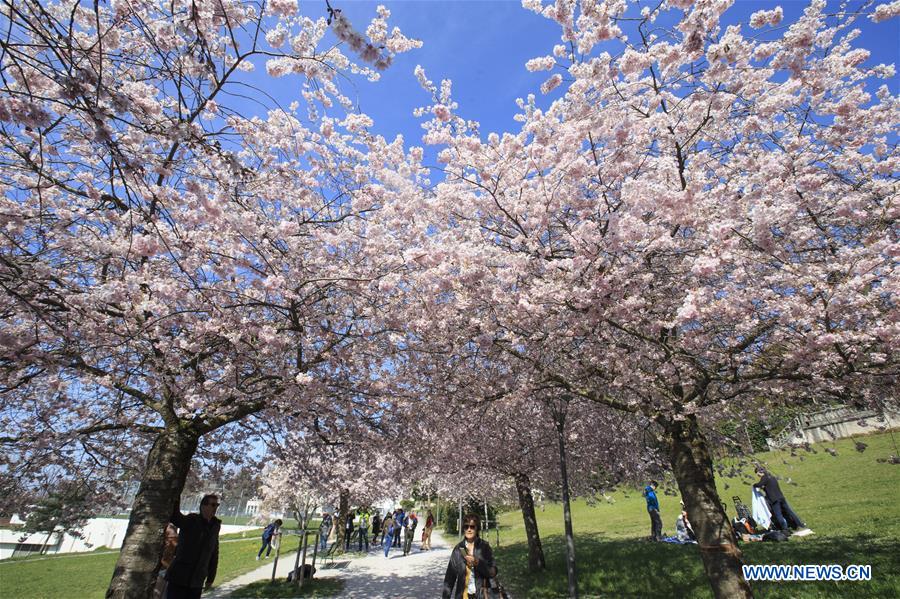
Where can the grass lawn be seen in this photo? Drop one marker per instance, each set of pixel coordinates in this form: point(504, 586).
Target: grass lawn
point(318, 587)
point(86, 575)
point(850, 501)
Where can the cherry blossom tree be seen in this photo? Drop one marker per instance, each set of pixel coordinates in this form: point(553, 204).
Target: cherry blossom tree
point(170, 266)
point(283, 487)
point(483, 429)
point(704, 216)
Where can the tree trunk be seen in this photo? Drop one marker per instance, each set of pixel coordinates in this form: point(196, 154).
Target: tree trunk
point(343, 511)
point(692, 465)
point(161, 485)
point(567, 509)
point(46, 542)
point(526, 502)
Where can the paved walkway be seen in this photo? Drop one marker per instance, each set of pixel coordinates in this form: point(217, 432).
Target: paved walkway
point(415, 576)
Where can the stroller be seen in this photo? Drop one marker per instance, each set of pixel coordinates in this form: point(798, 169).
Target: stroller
point(743, 510)
point(743, 523)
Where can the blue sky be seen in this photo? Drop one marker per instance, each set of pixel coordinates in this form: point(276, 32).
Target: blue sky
point(482, 45)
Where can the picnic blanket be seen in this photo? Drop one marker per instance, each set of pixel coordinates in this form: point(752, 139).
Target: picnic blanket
point(677, 541)
point(760, 509)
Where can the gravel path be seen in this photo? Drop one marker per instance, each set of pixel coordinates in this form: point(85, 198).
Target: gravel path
point(418, 575)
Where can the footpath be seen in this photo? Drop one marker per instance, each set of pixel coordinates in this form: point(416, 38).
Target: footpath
point(418, 575)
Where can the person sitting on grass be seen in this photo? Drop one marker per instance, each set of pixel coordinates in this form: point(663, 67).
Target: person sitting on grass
point(683, 529)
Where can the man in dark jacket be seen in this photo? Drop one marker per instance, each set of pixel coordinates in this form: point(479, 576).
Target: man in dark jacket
point(197, 556)
point(411, 523)
point(653, 510)
point(778, 505)
point(348, 530)
point(376, 527)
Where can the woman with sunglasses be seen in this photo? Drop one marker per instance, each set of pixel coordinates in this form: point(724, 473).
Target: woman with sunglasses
point(471, 565)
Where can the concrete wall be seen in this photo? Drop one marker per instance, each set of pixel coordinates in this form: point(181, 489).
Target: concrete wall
point(837, 423)
point(848, 428)
point(98, 532)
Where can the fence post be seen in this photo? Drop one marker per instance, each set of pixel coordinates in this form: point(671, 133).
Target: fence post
point(277, 553)
point(315, 553)
point(297, 560)
point(303, 561)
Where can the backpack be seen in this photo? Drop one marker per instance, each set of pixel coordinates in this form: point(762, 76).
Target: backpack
point(775, 536)
point(308, 571)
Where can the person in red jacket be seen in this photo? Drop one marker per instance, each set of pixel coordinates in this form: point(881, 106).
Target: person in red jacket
point(426, 532)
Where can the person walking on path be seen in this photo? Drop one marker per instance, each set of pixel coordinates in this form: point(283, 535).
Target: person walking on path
point(376, 527)
point(363, 530)
point(387, 528)
point(348, 530)
point(324, 531)
point(411, 523)
point(268, 535)
point(653, 510)
point(781, 510)
point(197, 555)
point(426, 532)
point(471, 565)
point(399, 518)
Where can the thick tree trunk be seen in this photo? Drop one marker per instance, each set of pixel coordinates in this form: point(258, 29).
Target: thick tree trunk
point(161, 485)
point(526, 502)
point(567, 510)
point(343, 510)
point(692, 465)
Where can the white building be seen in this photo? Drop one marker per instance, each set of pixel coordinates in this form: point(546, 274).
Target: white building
point(252, 506)
point(98, 532)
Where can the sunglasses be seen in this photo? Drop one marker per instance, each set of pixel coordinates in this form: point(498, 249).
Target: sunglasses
point(470, 527)
point(213, 504)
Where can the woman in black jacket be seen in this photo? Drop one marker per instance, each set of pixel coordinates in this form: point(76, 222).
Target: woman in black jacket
point(471, 564)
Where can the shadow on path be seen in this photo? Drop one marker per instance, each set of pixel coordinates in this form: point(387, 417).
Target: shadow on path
point(419, 575)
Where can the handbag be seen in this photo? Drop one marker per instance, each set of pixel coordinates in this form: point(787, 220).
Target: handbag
point(492, 589)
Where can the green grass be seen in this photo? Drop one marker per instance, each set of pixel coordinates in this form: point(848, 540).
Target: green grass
point(317, 587)
point(850, 501)
point(76, 576)
point(86, 575)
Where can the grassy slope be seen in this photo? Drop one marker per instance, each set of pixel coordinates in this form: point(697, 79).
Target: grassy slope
point(850, 501)
point(86, 576)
